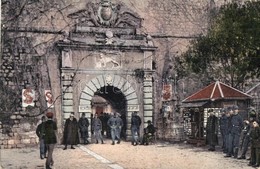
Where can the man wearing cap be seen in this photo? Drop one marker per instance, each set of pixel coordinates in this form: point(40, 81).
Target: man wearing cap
point(50, 139)
point(119, 125)
point(223, 125)
point(41, 133)
point(149, 132)
point(212, 130)
point(229, 143)
point(70, 135)
point(236, 129)
point(97, 127)
point(83, 128)
point(248, 124)
point(135, 128)
point(112, 123)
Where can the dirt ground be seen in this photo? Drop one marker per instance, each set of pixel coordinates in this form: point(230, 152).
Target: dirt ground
point(123, 156)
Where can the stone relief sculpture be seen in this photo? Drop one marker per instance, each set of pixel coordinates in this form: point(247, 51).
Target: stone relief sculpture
point(103, 62)
point(106, 14)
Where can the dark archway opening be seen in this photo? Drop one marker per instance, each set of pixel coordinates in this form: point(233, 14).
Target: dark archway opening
point(115, 102)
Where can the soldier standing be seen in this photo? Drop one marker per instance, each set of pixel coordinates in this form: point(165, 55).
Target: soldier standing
point(97, 127)
point(223, 123)
point(119, 125)
point(212, 131)
point(246, 133)
point(83, 128)
point(237, 126)
point(255, 146)
point(70, 136)
point(115, 123)
point(229, 143)
point(135, 128)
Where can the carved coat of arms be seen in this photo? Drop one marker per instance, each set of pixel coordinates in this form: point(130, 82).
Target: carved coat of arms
point(106, 14)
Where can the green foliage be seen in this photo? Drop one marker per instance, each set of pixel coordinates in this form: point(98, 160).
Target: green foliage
point(230, 50)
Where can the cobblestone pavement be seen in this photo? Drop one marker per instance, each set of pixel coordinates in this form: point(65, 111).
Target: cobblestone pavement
point(123, 156)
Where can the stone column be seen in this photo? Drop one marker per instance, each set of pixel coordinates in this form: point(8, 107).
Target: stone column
point(67, 92)
point(148, 97)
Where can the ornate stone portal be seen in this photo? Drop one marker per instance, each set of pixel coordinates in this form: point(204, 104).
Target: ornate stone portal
point(101, 56)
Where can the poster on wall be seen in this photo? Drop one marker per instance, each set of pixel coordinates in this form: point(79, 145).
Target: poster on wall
point(167, 92)
point(28, 97)
point(49, 99)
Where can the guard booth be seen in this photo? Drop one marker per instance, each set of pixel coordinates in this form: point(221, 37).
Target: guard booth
point(215, 96)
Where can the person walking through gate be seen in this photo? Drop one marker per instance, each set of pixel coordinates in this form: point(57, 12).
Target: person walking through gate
point(97, 127)
point(135, 128)
point(40, 133)
point(50, 138)
point(212, 130)
point(83, 128)
point(70, 135)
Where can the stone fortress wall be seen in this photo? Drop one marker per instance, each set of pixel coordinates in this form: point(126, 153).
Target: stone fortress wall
point(171, 24)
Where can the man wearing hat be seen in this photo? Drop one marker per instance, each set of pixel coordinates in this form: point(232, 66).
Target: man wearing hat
point(248, 124)
point(40, 133)
point(135, 128)
point(83, 127)
point(50, 139)
point(212, 130)
point(149, 132)
point(223, 125)
point(70, 135)
point(236, 129)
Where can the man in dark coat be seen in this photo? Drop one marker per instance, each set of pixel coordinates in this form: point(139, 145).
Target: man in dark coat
point(112, 123)
point(255, 145)
point(135, 128)
point(50, 138)
point(229, 141)
point(236, 129)
point(40, 133)
point(245, 139)
point(223, 125)
point(83, 128)
point(212, 131)
point(70, 135)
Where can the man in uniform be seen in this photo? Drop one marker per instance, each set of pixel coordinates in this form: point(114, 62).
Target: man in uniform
point(237, 126)
point(229, 143)
point(112, 124)
point(83, 128)
point(135, 128)
point(223, 122)
point(212, 130)
point(119, 125)
point(246, 133)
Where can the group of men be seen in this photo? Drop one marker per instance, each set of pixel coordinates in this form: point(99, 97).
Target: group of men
point(236, 134)
point(46, 131)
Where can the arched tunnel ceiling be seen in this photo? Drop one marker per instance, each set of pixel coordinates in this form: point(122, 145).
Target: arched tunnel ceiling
point(114, 96)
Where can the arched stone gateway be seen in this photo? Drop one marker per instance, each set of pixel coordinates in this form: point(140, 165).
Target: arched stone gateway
point(121, 86)
point(107, 54)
